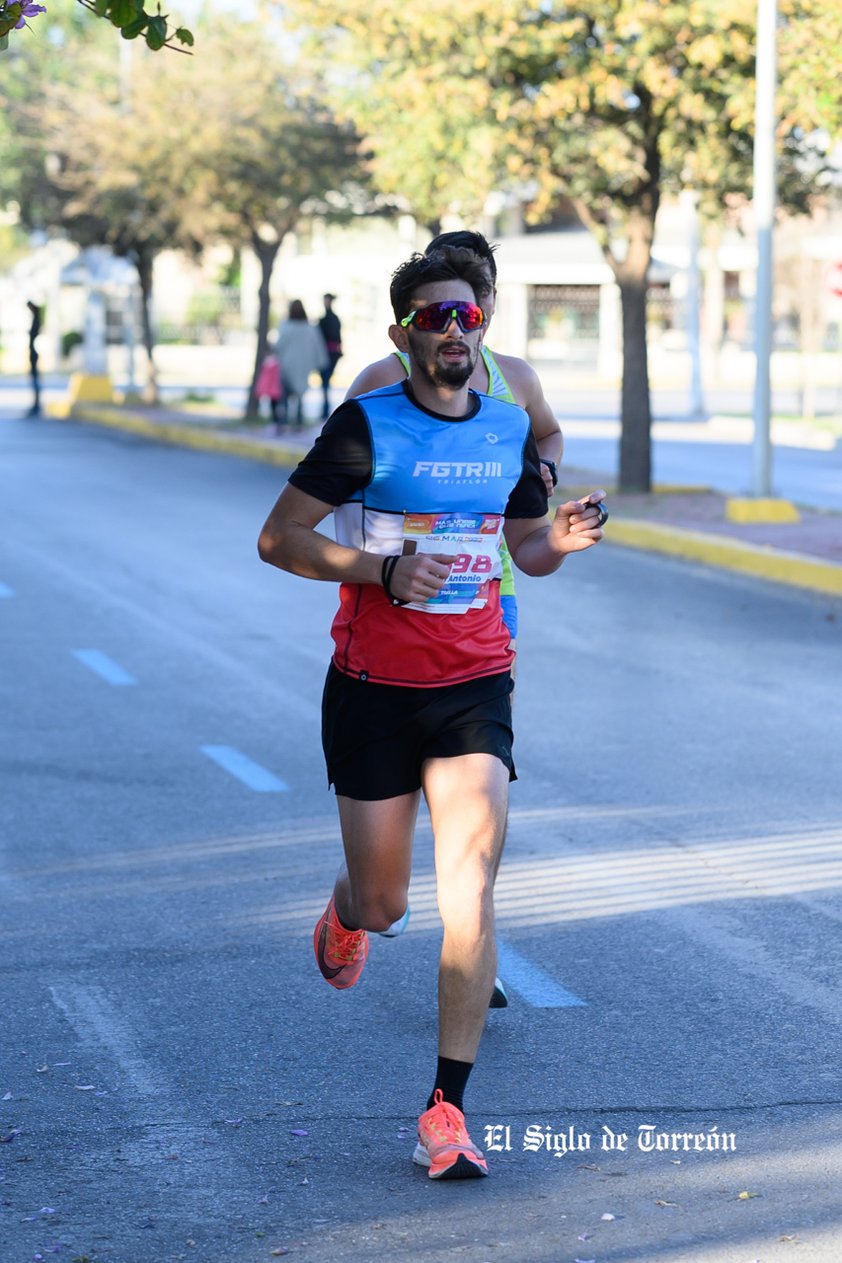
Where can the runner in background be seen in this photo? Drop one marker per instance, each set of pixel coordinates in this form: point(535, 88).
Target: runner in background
point(500, 376)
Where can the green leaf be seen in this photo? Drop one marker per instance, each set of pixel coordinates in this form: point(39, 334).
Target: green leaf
point(122, 12)
point(134, 28)
point(156, 33)
point(184, 36)
point(101, 7)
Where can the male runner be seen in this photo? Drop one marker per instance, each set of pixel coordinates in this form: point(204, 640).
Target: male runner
point(422, 477)
point(502, 377)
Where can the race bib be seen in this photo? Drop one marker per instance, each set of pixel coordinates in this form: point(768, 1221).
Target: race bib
point(474, 539)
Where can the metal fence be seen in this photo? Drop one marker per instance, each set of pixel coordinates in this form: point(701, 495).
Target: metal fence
point(564, 321)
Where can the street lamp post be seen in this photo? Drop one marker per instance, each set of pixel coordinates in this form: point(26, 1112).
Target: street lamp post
point(694, 339)
point(764, 211)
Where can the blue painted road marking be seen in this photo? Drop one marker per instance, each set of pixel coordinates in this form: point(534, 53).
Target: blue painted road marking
point(531, 982)
point(5, 590)
point(245, 769)
point(104, 666)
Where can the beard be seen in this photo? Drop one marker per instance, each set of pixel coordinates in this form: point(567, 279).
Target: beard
point(439, 371)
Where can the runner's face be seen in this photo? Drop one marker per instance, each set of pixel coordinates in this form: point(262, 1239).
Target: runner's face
point(448, 358)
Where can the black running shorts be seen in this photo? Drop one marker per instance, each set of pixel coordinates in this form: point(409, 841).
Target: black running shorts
point(377, 736)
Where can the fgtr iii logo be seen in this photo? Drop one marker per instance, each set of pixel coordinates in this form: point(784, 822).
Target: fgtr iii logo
point(458, 470)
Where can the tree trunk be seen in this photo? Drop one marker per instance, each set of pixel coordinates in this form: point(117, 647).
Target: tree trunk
point(144, 260)
point(635, 408)
point(632, 277)
point(267, 252)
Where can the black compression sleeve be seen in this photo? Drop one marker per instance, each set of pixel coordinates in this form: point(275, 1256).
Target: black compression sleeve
point(339, 462)
point(529, 496)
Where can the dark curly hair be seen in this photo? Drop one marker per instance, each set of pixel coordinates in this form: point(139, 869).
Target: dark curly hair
point(448, 264)
point(464, 239)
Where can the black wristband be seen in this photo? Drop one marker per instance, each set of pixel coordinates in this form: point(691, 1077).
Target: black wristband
point(552, 468)
point(386, 572)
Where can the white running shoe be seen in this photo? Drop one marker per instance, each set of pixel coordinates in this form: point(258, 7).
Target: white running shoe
point(397, 927)
point(499, 999)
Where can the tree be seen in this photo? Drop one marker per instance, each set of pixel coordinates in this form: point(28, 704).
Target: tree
point(166, 158)
point(26, 69)
point(76, 159)
point(607, 103)
point(268, 150)
point(119, 173)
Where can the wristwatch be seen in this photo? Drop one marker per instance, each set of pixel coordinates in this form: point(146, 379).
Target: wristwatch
point(551, 467)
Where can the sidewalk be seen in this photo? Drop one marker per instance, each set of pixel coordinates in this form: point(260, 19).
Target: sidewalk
point(688, 523)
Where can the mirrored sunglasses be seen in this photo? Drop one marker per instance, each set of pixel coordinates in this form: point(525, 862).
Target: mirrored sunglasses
point(437, 317)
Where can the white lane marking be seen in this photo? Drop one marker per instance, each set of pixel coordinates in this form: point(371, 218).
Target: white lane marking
point(104, 666)
point(536, 986)
point(303, 709)
point(205, 1175)
point(245, 769)
point(96, 1020)
point(5, 590)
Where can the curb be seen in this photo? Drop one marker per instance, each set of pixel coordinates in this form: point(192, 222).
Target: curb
point(776, 565)
point(730, 554)
point(209, 440)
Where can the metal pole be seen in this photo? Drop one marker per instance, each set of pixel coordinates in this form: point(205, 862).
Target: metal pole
point(694, 288)
point(764, 210)
point(128, 336)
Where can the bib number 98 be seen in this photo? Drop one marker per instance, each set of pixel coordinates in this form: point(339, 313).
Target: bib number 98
point(466, 563)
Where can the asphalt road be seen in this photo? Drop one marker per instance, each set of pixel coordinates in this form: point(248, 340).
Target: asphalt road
point(177, 1082)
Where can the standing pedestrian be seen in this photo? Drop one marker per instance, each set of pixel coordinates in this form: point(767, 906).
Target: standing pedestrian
point(301, 351)
point(423, 477)
point(331, 330)
point(34, 330)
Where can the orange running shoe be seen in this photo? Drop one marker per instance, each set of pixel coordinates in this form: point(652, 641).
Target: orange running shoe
point(445, 1146)
point(340, 953)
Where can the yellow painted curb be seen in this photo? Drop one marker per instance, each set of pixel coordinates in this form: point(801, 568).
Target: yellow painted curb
point(89, 388)
point(572, 490)
point(679, 489)
point(761, 509)
point(731, 554)
point(209, 440)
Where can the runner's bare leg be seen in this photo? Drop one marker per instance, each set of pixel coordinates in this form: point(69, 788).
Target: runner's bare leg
point(372, 887)
point(467, 798)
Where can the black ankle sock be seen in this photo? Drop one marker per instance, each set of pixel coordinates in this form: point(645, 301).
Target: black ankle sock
point(452, 1079)
point(353, 928)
